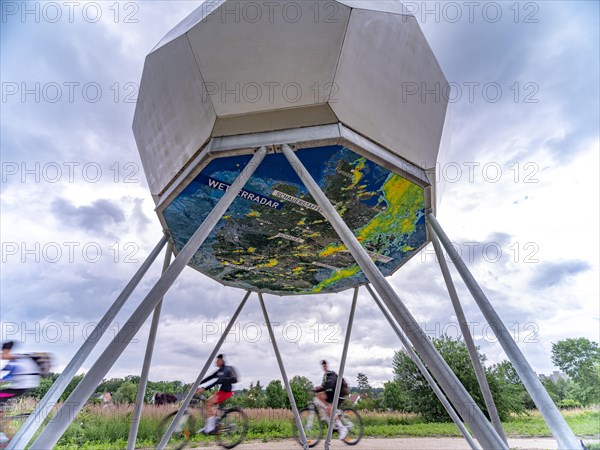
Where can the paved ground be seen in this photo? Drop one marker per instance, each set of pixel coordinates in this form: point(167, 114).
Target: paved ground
point(405, 444)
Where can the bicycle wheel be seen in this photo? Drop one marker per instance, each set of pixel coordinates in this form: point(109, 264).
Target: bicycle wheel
point(10, 425)
point(353, 422)
point(233, 427)
point(313, 426)
point(185, 429)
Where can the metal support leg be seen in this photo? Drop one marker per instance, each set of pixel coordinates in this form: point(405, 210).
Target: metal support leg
point(52, 433)
point(192, 391)
point(338, 384)
point(139, 403)
point(467, 408)
point(556, 422)
point(286, 382)
point(464, 328)
point(438, 392)
point(43, 408)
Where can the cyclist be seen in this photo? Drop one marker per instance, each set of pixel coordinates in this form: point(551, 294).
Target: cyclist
point(21, 375)
point(324, 399)
point(225, 376)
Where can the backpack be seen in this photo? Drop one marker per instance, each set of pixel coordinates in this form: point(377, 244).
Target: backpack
point(345, 391)
point(233, 376)
point(43, 361)
point(331, 381)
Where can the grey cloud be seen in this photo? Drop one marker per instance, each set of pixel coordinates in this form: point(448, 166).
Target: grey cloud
point(97, 217)
point(553, 274)
point(548, 54)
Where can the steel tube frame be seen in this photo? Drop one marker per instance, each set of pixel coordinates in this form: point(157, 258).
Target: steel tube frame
point(338, 384)
point(464, 328)
point(57, 426)
point(438, 392)
point(556, 422)
point(467, 408)
point(43, 408)
point(192, 391)
point(139, 402)
point(303, 440)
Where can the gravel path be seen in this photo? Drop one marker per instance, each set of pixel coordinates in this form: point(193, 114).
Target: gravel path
point(405, 443)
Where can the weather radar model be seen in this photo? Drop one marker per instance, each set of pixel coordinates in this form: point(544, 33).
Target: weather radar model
point(290, 148)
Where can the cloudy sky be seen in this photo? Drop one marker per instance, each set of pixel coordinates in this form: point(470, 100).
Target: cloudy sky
point(521, 191)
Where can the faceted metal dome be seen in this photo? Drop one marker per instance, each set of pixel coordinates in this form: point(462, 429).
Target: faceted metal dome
point(344, 83)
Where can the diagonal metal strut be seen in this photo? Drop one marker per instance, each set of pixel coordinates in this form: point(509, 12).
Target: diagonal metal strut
point(188, 398)
point(468, 409)
point(338, 384)
point(43, 408)
point(139, 402)
point(438, 392)
point(464, 328)
point(556, 422)
point(58, 425)
point(288, 388)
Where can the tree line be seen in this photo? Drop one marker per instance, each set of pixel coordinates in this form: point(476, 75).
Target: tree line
point(579, 359)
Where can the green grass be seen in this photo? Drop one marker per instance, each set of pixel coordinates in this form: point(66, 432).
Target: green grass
point(582, 422)
point(107, 428)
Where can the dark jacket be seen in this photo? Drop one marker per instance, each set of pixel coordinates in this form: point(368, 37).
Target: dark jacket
point(224, 378)
point(329, 382)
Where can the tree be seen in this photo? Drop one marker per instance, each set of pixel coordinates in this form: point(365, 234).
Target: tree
point(574, 356)
point(240, 399)
point(256, 397)
point(394, 397)
point(111, 385)
point(126, 393)
point(364, 388)
point(421, 398)
point(276, 396)
point(300, 389)
point(45, 384)
point(580, 359)
point(506, 390)
point(168, 388)
point(561, 392)
point(71, 387)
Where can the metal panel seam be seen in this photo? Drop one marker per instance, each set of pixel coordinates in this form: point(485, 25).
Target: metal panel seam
point(187, 37)
point(339, 58)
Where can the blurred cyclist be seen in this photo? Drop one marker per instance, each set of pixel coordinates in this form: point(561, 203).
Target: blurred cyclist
point(20, 375)
point(225, 376)
point(324, 399)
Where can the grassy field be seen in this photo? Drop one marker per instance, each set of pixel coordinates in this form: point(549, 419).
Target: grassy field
point(107, 427)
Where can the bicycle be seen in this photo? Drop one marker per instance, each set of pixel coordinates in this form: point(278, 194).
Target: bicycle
point(231, 429)
point(314, 426)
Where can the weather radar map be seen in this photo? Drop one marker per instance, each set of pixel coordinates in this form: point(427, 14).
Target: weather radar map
point(274, 237)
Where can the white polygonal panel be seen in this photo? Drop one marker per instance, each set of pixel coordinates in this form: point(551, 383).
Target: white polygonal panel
point(385, 58)
point(205, 8)
point(174, 116)
point(254, 58)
